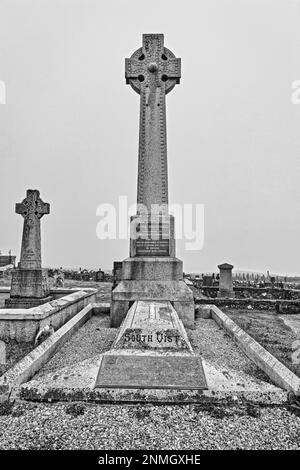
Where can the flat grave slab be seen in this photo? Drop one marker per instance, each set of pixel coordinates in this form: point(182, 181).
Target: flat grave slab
point(132, 371)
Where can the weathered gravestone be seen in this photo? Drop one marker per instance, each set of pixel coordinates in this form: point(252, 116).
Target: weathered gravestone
point(99, 276)
point(207, 281)
point(225, 281)
point(29, 285)
point(152, 272)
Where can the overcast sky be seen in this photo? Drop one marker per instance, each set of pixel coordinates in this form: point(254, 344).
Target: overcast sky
point(70, 124)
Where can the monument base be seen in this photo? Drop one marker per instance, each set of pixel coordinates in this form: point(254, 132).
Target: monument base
point(26, 302)
point(176, 292)
point(164, 268)
point(31, 283)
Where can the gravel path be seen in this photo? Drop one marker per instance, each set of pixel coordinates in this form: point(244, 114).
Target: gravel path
point(48, 426)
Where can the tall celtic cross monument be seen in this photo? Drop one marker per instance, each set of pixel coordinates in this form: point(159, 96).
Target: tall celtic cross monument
point(29, 285)
point(152, 71)
point(152, 272)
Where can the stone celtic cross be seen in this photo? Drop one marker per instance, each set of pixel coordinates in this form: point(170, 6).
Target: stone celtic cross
point(32, 209)
point(152, 71)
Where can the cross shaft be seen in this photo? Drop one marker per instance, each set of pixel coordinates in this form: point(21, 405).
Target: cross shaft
point(152, 71)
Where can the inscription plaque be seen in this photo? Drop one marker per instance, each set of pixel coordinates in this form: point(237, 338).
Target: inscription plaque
point(153, 238)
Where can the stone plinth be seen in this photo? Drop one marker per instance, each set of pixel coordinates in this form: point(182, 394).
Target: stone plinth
point(29, 288)
point(152, 269)
point(29, 283)
point(225, 281)
point(15, 303)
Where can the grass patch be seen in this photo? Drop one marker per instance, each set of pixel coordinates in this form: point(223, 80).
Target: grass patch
point(270, 331)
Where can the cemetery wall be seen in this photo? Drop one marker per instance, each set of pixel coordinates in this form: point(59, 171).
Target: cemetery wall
point(23, 325)
point(280, 306)
point(255, 292)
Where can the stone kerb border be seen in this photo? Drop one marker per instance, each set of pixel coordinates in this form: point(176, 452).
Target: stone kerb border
point(278, 373)
point(25, 369)
point(22, 325)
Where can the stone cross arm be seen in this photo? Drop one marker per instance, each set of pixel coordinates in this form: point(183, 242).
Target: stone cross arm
point(32, 205)
point(172, 69)
point(153, 65)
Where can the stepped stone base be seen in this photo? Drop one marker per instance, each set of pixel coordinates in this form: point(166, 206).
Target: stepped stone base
point(26, 302)
point(176, 292)
point(31, 283)
point(152, 268)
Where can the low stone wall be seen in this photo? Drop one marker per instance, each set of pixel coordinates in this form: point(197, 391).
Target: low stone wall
point(30, 364)
point(246, 292)
point(22, 325)
point(280, 306)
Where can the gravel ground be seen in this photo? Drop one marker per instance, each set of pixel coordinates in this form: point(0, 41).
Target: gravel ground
point(93, 338)
point(215, 345)
point(91, 426)
point(51, 426)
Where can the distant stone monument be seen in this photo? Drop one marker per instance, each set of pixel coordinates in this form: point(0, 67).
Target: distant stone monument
point(29, 286)
point(207, 281)
point(59, 277)
point(6, 260)
point(100, 276)
point(225, 282)
point(152, 272)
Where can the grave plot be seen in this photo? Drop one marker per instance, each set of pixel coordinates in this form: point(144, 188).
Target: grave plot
point(73, 371)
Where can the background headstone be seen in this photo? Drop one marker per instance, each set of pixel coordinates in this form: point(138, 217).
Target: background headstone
point(225, 282)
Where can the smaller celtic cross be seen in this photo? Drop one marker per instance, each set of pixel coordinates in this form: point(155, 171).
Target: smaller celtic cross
point(32, 209)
